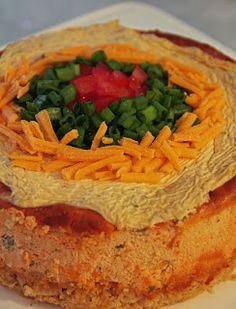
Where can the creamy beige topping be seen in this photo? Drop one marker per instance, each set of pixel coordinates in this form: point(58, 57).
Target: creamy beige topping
point(131, 205)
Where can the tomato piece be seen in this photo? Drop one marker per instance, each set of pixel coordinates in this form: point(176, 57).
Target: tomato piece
point(85, 69)
point(138, 75)
point(101, 71)
point(120, 79)
point(103, 102)
point(85, 84)
point(107, 88)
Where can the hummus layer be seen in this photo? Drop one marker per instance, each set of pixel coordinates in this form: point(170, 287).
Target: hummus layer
point(131, 205)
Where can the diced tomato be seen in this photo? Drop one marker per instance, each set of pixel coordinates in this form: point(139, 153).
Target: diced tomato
point(120, 79)
point(138, 75)
point(103, 102)
point(107, 88)
point(85, 84)
point(85, 69)
point(102, 85)
point(101, 71)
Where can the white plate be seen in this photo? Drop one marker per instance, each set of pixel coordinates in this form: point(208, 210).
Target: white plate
point(143, 16)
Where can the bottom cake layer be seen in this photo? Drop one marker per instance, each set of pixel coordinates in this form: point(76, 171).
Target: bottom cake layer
point(145, 268)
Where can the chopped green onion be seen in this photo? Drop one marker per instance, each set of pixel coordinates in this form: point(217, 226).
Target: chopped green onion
point(197, 121)
point(82, 121)
point(167, 101)
point(126, 120)
point(114, 65)
point(140, 102)
point(142, 130)
point(68, 93)
point(65, 128)
point(171, 115)
point(107, 115)
point(145, 66)
point(47, 84)
point(114, 133)
point(149, 114)
point(32, 107)
point(182, 108)
point(161, 110)
point(55, 98)
point(40, 100)
point(130, 134)
point(75, 67)
point(79, 140)
point(96, 120)
point(65, 74)
point(49, 74)
point(99, 56)
point(54, 113)
point(155, 71)
point(135, 124)
point(127, 68)
point(88, 108)
point(125, 105)
point(26, 115)
point(77, 109)
point(82, 60)
point(114, 106)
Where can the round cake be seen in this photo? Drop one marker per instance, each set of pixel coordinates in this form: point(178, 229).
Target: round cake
point(117, 167)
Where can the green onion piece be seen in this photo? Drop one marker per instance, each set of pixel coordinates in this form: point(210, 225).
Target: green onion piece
point(40, 100)
point(55, 98)
point(155, 71)
point(149, 114)
point(68, 93)
point(142, 130)
point(127, 68)
point(161, 110)
point(33, 84)
point(75, 67)
point(145, 66)
point(96, 120)
point(54, 113)
point(26, 115)
point(114, 65)
point(77, 109)
point(47, 84)
point(88, 108)
point(140, 102)
point(79, 140)
point(82, 121)
point(135, 124)
point(65, 74)
point(49, 74)
point(171, 115)
point(67, 117)
point(160, 125)
point(125, 105)
point(197, 121)
point(22, 101)
point(130, 134)
point(167, 101)
point(114, 106)
point(182, 108)
point(126, 120)
point(99, 56)
point(114, 133)
point(82, 60)
point(107, 115)
point(32, 107)
point(65, 128)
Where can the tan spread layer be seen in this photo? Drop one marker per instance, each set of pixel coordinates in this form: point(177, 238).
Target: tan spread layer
point(131, 205)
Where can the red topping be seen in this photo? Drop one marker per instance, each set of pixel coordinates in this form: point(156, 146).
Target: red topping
point(103, 86)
